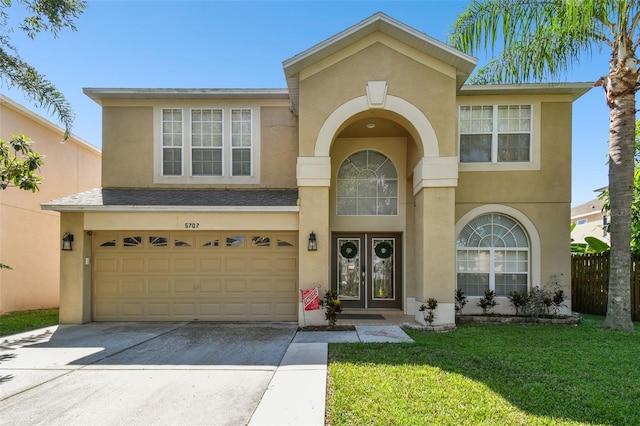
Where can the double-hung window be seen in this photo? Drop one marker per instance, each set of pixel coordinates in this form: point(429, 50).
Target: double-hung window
point(172, 142)
point(241, 142)
point(495, 133)
point(206, 142)
point(203, 144)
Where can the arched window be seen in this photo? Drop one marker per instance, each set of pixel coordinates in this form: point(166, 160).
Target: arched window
point(492, 254)
point(367, 185)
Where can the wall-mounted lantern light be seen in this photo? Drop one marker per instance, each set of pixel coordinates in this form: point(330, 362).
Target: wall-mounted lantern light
point(313, 244)
point(67, 239)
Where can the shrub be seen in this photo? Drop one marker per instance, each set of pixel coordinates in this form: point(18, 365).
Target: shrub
point(461, 300)
point(488, 301)
point(428, 310)
point(519, 300)
point(331, 305)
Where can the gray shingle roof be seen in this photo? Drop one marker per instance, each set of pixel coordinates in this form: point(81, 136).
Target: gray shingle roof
point(104, 199)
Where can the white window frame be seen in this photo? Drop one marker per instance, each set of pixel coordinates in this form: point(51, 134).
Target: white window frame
point(494, 165)
point(163, 147)
point(241, 147)
point(187, 176)
point(492, 271)
point(192, 147)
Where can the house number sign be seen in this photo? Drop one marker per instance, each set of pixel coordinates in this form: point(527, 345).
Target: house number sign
point(191, 225)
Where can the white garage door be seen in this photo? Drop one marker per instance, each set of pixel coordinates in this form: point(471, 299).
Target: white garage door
point(178, 276)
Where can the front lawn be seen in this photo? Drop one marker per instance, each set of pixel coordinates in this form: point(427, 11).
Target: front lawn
point(490, 374)
point(21, 321)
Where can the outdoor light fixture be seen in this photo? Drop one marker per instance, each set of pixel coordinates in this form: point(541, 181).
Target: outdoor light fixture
point(313, 244)
point(67, 239)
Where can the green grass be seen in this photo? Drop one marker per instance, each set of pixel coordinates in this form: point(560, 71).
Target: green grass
point(18, 322)
point(490, 374)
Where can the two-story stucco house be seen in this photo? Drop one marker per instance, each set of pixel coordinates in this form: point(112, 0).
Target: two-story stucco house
point(29, 240)
point(377, 172)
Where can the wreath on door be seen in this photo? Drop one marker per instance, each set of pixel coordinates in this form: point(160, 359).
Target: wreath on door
point(383, 250)
point(348, 250)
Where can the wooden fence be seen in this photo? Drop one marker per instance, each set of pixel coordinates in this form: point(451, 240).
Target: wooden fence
point(590, 284)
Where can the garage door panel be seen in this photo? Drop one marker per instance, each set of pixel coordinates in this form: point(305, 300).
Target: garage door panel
point(235, 264)
point(131, 264)
point(210, 309)
point(210, 285)
point(184, 264)
point(235, 285)
point(182, 309)
point(133, 287)
point(133, 310)
point(165, 276)
point(185, 286)
point(210, 264)
point(106, 264)
point(158, 310)
point(286, 286)
point(159, 286)
point(261, 285)
point(261, 264)
point(159, 264)
point(105, 286)
point(286, 265)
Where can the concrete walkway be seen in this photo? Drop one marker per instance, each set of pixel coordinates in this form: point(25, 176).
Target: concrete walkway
point(296, 394)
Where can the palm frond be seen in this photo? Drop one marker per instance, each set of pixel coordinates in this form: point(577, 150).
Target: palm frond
point(36, 87)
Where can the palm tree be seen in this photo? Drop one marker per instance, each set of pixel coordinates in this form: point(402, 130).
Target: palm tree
point(40, 15)
point(540, 39)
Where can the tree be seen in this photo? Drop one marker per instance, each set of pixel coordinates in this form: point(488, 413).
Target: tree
point(539, 40)
point(39, 15)
point(635, 205)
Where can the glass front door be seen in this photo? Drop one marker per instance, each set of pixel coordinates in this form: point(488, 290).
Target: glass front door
point(367, 270)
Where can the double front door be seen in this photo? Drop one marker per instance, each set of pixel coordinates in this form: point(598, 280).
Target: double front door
point(367, 270)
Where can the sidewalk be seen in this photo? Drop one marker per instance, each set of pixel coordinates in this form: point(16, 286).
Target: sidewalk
point(296, 394)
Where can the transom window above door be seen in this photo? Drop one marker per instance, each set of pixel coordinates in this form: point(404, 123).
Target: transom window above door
point(367, 185)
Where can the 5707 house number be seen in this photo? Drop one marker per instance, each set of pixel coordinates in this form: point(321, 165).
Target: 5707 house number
point(191, 225)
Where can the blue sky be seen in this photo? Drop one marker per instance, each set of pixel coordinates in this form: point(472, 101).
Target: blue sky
point(240, 44)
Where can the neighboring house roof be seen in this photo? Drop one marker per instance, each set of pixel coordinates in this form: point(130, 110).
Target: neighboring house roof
point(588, 208)
point(463, 63)
point(9, 103)
point(103, 199)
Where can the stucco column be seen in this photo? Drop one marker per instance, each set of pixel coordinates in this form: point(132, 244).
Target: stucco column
point(435, 180)
point(313, 197)
point(75, 276)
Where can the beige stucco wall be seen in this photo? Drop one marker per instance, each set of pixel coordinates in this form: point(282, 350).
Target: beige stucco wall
point(378, 60)
point(542, 196)
point(29, 237)
point(130, 127)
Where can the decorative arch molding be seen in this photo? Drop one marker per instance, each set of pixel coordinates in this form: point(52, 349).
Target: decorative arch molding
point(522, 219)
point(391, 103)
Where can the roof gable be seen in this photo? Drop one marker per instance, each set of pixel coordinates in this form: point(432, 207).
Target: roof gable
point(379, 22)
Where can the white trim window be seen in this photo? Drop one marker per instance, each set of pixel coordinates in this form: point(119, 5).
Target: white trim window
point(241, 142)
point(172, 142)
point(492, 254)
point(495, 133)
point(206, 142)
point(202, 144)
point(367, 185)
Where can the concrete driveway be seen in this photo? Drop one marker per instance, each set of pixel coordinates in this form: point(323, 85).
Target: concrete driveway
point(140, 373)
